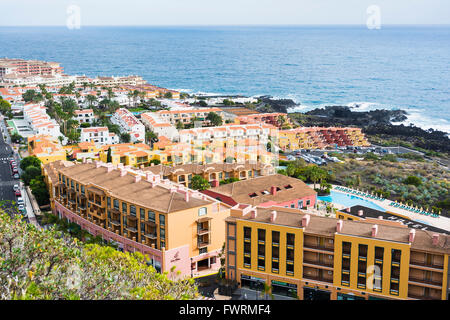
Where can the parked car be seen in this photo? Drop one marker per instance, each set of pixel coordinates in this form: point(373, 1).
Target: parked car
point(18, 193)
point(20, 200)
point(16, 187)
point(21, 208)
point(16, 176)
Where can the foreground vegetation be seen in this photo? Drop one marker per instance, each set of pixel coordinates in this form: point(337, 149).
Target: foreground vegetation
point(46, 264)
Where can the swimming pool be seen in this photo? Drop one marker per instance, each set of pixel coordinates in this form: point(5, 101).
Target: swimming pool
point(349, 200)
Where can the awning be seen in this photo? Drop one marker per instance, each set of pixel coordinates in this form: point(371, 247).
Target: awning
point(204, 219)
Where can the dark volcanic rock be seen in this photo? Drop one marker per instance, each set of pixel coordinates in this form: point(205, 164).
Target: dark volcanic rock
point(278, 105)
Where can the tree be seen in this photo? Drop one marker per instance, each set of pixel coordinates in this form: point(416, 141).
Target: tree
point(179, 125)
point(5, 106)
point(108, 156)
point(91, 99)
point(30, 161)
point(39, 190)
point(125, 137)
point(200, 183)
point(16, 138)
point(85, 125)
point(31, 172)
point(202, 103)
point(51, 265)
point(214, 118)
point(168, 95)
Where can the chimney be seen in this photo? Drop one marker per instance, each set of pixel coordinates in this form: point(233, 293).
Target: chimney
point(339, 226)
point(89, 160)
point(123, 172)
point(215, 183)
point(120, 165)
point(380, 217)
point(152, 164)
point(273, 190)
point(435, 239)
point(348, 209)
point(98, 164)
point(374, 230)
point(186, 196)
point(360, 213)
point(412, 235)
point(84, 160)
point(305, 220)
point(148, 176)
point(110, 168)
point(273, 216)
point(253, 214)
point(137, 178)
point(173, 189)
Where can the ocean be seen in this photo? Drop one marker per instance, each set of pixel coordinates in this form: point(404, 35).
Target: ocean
point(395, 67)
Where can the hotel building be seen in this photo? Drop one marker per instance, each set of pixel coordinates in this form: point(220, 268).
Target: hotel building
point(318, 258)
point(173, 226)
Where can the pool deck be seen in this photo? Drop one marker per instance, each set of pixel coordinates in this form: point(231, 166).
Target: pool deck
point(440, 222)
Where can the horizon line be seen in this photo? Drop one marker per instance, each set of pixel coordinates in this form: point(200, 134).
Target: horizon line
point(229, 25)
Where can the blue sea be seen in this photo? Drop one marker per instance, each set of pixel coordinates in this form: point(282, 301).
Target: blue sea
point(395, 67)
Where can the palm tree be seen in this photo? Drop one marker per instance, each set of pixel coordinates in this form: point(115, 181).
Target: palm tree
point(130, 96)
point(91, 99)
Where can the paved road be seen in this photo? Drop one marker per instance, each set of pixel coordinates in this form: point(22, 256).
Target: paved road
point(6, 180)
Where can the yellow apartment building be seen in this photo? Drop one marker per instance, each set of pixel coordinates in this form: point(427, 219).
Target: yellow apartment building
point(173, 225)
point(308, 257)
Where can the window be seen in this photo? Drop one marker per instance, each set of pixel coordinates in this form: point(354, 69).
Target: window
point(261, 235)
point(162, 244)
point(78, 187)
point(116, 204)
point(275, 266)
point(275, 237)
point(133, 211)
point(108, 202)
point(82, 189)
point(142, 213)
point(151, 216)
point(290, 239)
point(308, 202)
point(247, 233)
point(72, 184)
point(202, 211)
point(162, 220)
point(124, 208)
point(300, 204)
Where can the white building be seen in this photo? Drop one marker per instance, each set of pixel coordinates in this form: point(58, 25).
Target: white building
point(100, 135)
point(84, 116)
point(159, 126)
point(39, 121)
point(128, 123)
point(258, 132)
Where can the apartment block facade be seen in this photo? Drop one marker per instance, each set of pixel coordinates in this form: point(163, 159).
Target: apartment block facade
point(172, 225)
point(128, 123)
point(307, 257)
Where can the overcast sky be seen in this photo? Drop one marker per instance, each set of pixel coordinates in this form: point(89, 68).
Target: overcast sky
point(222, 12)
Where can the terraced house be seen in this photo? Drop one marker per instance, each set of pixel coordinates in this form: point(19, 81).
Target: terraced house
point(318, 258)
point(172, 225)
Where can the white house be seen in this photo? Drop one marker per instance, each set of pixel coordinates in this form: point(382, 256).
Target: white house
point(159, 126)
point(128, 123)
point(84, 116)
point(100, 135)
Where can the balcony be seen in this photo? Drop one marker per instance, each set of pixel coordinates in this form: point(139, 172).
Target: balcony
point(425, 282)
point(427, 266)
point(318, 264)
point(150, 235)
point(317, 248)
point(131, 228)
point(203, 243)
point(317, 278)
point(422, 297)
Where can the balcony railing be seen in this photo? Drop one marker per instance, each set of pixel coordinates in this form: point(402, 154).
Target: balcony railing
point(425, 264)
point(203, 243)
point(317, 278)
point(318, 263)
point(318, 247)
point(426, 281)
